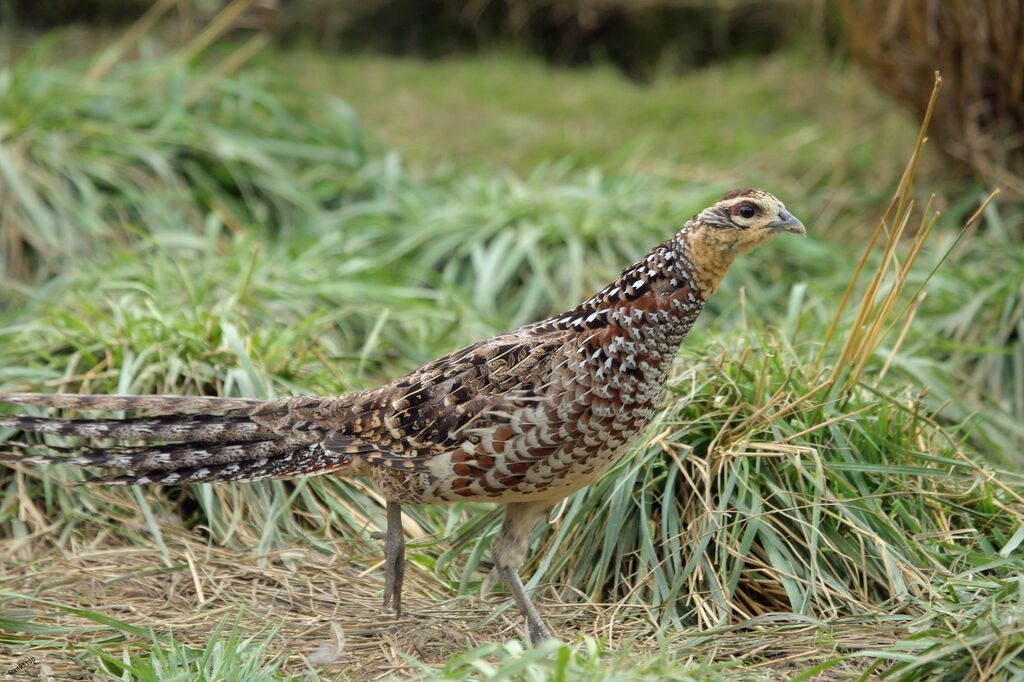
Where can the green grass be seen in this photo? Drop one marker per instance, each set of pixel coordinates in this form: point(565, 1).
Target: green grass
point(227, 656)
point(746, 119)
point(254, 239)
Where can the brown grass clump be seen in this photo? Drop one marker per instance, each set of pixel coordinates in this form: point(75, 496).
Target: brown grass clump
point(979, 48)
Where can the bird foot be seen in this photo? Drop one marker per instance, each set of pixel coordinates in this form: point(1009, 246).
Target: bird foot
point(539, 633)
point(535, 626)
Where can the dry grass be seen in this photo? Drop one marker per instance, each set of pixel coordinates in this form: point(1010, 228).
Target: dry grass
point(977, 46)
point(313, 599)
point(328, 607)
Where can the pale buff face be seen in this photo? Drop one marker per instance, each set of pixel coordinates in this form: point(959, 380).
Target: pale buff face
point(743, 220)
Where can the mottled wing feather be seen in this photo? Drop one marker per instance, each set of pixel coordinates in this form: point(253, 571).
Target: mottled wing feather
point(342, 443)
point(434, 410)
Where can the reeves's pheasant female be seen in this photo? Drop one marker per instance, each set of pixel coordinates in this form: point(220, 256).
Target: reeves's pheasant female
point(523, 419)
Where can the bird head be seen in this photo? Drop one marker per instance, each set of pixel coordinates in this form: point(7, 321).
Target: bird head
point(744, 219)
point(739, 222)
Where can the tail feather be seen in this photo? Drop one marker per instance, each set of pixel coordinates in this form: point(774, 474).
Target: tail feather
point(148, 458)
point(300, 461)
point(198, 439)
point(152, 404)
point(202, 427)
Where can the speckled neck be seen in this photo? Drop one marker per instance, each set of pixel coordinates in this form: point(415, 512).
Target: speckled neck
point(708, 257)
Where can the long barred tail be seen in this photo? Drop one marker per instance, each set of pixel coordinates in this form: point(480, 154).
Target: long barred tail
point(153, 404)
point(201, 440)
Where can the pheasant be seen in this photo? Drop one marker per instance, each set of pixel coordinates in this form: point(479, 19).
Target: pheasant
point(523, 419)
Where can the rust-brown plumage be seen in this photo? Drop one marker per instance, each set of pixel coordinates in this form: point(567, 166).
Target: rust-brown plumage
point(524, 418)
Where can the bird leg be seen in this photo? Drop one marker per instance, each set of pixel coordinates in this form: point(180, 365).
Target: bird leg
point(394, 558)
point(508, 550)
point(534, 623)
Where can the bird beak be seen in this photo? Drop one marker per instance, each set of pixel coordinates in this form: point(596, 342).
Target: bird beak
point(788, 223)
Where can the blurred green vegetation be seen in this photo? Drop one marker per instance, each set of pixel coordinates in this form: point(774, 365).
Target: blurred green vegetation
point(746, 120)
point(316, 224)
point(975, 44)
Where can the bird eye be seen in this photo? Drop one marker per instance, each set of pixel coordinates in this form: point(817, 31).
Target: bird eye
point(746, 211)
